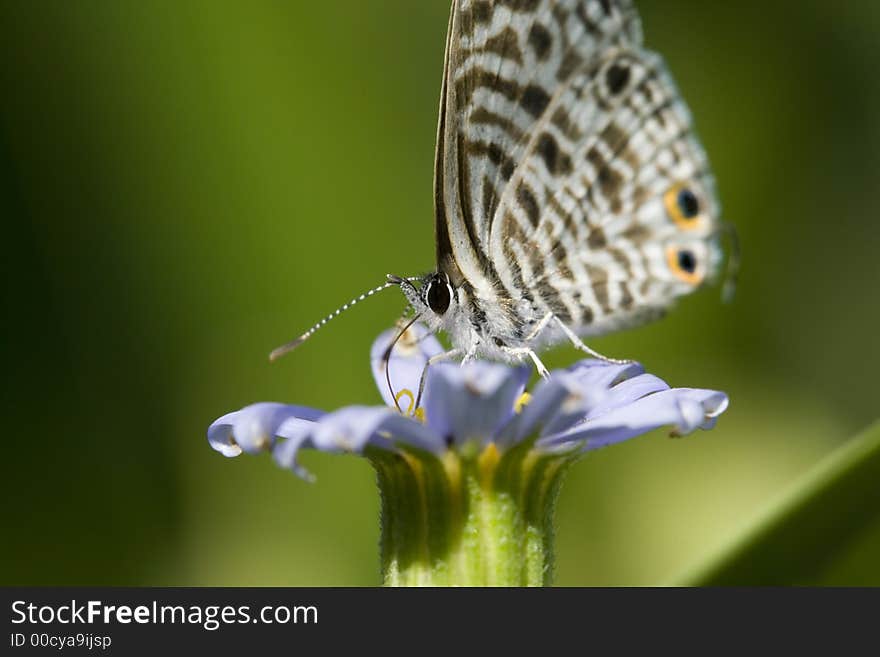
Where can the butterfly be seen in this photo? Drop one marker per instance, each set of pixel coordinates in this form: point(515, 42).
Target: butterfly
point(572, 197)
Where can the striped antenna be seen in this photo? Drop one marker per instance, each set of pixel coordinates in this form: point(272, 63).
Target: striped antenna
point(393, 281)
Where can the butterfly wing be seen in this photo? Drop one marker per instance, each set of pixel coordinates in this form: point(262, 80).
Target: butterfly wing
point(612, 213)
point(505, 59)
point(575, 181)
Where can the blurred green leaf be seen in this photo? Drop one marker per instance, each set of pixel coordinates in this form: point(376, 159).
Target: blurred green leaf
point(812, 533)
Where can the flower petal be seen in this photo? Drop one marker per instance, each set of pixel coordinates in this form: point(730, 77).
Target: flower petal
point(298, 435)
point(406, 363)
point(684, 409)
point(472, 401)
point(351, 429)
point(587, 388)
point(594, 374)
point(220, 435)
point(628, 391)
point(593, 384)
point(254, 428)
point(546, 400)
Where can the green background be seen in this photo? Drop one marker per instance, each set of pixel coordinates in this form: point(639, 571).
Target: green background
point(186, 185)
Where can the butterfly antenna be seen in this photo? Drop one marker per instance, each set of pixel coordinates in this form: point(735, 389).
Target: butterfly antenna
point(733, 262)
point(393, 281)
point(386, 359)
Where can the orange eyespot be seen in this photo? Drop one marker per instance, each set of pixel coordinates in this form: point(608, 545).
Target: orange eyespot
point(683, 206)
point(684, 263)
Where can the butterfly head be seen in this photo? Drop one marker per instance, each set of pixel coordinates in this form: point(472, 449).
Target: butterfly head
point(438, 294)
point(433, 297)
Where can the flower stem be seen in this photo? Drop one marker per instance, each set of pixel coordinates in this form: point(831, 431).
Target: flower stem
point(462, 519)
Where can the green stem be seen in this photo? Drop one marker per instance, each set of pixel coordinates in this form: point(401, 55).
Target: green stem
point(468, 519)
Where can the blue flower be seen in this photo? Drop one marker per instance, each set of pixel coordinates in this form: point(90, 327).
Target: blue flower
point(469, 473)
point(469, 407)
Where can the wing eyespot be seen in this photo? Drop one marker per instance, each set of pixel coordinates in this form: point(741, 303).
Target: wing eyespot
point(683, 206)
point(685, 264)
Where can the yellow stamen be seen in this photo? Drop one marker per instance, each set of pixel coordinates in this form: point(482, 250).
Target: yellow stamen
point(412, 400)
point(418, 413)
point(524, 399)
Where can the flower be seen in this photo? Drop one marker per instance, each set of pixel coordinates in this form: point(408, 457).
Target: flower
point(476, 439)
point(591, 404)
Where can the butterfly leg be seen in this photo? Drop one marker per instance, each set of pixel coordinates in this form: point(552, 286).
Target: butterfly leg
point(576, 341)
point(471, 353)
point(439, 358)
point(540, 326)
point(519, 352)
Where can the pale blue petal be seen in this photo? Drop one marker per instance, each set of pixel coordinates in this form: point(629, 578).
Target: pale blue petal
point(593, 384)
point(351, 429)
point(254, 428)
point(220, 435)
point(584, 395)
point(570, 396)
point(549, 396)
point(593, 374)
point(627, 392)
point(406, 364)
point(297, 434)
point(472, 401)
point(683, 409)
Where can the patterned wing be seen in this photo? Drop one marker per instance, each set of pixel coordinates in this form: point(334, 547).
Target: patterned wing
point(574, 181)
point(612, 212)
point(507, 64)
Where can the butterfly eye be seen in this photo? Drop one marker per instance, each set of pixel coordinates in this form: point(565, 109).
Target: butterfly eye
point(683, 206)
point(684, 264)
point(438, 296)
